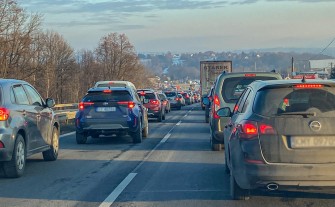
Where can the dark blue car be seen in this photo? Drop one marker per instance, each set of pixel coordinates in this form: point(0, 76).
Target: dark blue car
point(109, 111)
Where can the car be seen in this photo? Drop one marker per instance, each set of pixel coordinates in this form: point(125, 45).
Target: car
point(165, 102)
point(111, 111)
point(156, 108)
point(115, 84)
point(28, 125)
point(280, 135)
point(187, 97)
point(227, 89)
point(175, 100)
point(208, 106)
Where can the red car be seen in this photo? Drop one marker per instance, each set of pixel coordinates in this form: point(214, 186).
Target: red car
point(156, 108)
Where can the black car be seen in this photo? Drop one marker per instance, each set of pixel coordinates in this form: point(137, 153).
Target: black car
point(111, 111)
point(28, 126)
point(281, 136)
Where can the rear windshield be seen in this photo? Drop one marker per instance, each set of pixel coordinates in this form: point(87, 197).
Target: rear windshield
point(113, 96)
point(148, 95)
point(170, 94)
point(232, 88)
point(278, 101)
point(111, 85)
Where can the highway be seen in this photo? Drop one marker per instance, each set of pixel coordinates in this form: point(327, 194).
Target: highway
point(174, 166)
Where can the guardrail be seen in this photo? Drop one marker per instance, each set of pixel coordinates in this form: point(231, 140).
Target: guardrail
point(66, 112)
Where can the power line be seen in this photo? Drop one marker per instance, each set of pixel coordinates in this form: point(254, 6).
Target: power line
point(327, 46)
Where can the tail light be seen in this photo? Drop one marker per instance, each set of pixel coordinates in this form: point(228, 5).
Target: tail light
point(4, 114)
point(155, 102)
point(129, 104)
point(177, 99)
point(107, 91)
point(2, 145)
point(82, 105)
point(216, 107)
point(187, 96)
point(308, 86)
point(250, 129)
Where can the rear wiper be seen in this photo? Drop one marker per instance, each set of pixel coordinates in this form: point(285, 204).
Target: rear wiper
point(304, 114)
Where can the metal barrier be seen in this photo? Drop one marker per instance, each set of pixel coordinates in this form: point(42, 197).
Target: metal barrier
point(66, 112)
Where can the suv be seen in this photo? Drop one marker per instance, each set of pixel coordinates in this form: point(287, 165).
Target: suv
point(156, 108)
point(108, 111)
point(227, 89)
point(28, 125)
point(175, 101)
point(281, 135)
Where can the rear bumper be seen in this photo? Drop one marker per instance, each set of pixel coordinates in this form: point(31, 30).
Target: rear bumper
point(153, 114)
point(251, 176)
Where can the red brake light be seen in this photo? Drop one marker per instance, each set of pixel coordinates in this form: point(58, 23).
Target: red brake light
point(308, 86)
point(107, 91)
point(266, 129)
point(110, 83)
point(216, 107)
point(142, 93)
point(216, 100)
point(250, 75)
point(2, 145)
point(156, 102)
point(83, 104)
point(177, 99)
point(249, 129)
point(130, 104)
point(4, 114)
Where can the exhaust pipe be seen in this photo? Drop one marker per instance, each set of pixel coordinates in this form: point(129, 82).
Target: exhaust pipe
point(272, 186)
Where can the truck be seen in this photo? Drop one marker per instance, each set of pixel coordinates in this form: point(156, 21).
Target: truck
point(209, 70)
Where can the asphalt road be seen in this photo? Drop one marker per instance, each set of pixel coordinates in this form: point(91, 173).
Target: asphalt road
point(174, 166)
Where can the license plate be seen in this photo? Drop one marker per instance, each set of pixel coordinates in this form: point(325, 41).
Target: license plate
point(312, 141)
point(105, 109)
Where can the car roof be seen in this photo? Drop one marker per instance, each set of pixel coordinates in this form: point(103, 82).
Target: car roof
point(126, 83)
point(241, 74)
point(99, 89)
point(258, 84)
point(10, 81)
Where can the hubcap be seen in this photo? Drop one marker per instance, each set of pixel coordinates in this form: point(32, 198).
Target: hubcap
point(20, 155)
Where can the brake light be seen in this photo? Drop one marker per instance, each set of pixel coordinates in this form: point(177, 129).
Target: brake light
point(155, 102)
point(266, 129)
point(2, 145)
point(249, 129)
point(4, 114)
point(129, 104)
point(250, 75)
point(82, 105)
point(187, 96)
point(107, 91)
point(177, 99)
point(308, 86)
point(142, 93)
point(216, 107)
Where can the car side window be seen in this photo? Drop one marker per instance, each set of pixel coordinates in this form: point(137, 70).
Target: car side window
point(239, 106)
point(20, 95)
point(34, 96)
point(246, 101)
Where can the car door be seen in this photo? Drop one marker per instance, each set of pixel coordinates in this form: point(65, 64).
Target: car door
point(29, 114)
point(43, 116)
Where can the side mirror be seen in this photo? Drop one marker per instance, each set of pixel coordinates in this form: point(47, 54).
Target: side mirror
point(50, 102)
point(224, 112)
point(205, 101)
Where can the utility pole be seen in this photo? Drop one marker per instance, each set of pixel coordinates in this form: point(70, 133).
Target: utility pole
point(292, 67)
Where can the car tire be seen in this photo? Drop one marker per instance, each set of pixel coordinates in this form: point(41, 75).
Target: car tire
point(179, 108)
point(160, 117)
point(145, 131)
point(236, 192)
point(163, 117)
point(81, 138)
point(15, 167)
point(215, 145)
point(137, 135)
point(52, 153)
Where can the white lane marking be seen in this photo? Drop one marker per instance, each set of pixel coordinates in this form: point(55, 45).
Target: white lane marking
point(67, 134)
point(166, 137)
point(178, 123)
point(117, 191)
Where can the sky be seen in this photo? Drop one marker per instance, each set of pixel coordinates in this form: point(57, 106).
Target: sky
point(191, 25)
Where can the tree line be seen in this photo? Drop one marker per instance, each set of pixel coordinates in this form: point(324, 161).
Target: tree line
point(47, 61)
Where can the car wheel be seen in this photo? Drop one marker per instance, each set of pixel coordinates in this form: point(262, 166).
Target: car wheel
point(215, 145)
point(163, 117)
point(160, 117)
point(81, 138)
point(236, 192)
point(145, 131)
point(137, 136)
point(52, 153)
point(15, 167)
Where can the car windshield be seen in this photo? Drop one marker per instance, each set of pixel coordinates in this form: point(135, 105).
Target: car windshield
point(233, 87)
point(289, 101)
point(147, 95)
point(111, 85)
point(112, 96)
point(170, 94)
